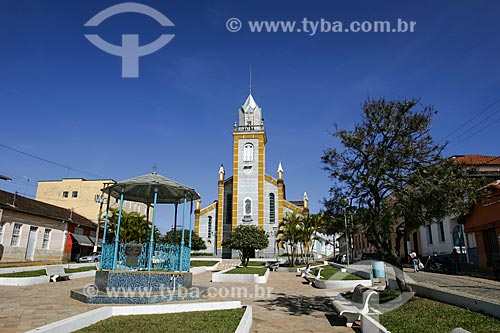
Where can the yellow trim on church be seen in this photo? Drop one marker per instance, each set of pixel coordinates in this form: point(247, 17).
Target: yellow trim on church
point(291, 206)
point(234, 220)
point(271, 180)
point(208, 208)
point(219, 214)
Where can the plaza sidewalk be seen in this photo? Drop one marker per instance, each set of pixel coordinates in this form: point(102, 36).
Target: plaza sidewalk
point(478, 288)
point(291, 306)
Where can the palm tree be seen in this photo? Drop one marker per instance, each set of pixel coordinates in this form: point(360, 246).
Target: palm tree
point(132, 227)
point(290, 233)
point(312, 226)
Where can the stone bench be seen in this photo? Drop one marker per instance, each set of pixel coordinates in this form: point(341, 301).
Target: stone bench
point(56, 273)
point(357, 305)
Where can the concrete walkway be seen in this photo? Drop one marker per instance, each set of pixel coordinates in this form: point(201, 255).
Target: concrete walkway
point(284, 304)
point(478, 288)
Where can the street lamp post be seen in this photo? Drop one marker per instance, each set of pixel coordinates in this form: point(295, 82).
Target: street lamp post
point(346, 235)
point(98, 198)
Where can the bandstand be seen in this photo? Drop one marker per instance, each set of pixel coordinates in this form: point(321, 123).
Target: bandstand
point(146, 272)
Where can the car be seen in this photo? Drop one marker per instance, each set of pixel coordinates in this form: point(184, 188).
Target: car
point(93, 257)
point(367, 256)
point(371, 256)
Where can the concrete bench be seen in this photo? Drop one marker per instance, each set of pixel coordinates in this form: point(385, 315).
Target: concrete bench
point(357, 305)
point(303, 271)
point(310, 277)
point(273, 265)
point(56, 273)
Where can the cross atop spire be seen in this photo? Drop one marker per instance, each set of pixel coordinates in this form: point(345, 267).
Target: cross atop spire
point(250, 85)
point(155, 169)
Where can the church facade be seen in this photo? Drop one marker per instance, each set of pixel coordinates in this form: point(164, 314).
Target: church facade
point(250, 196)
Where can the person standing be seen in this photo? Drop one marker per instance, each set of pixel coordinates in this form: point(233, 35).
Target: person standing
point(414, 259)
point(454, 261)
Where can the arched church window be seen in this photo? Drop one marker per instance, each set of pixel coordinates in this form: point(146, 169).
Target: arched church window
point(248, 206)
point(248, 152)
point(272, 208)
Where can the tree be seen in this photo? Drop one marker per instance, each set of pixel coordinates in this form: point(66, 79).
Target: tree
point(311, 225)
point(391, 168)
point(290, 234)
point(197, 242)
point(132, 227)
point(246, 239)
point(298, 233)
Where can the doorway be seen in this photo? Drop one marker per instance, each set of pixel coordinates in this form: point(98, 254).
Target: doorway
point(30, 248)
point(491, 245)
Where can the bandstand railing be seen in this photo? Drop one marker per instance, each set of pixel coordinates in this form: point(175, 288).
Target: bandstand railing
point(134, 256)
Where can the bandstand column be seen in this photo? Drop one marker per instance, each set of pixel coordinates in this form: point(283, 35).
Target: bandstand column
point(117, 238)
point(151, 239)
point(182, 234)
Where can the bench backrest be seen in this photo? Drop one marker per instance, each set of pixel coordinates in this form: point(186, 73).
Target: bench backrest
point(361, 296)
point(54, 270)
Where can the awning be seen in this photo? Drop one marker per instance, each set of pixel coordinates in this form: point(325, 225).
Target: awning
point(99, 244)
point(82, 240)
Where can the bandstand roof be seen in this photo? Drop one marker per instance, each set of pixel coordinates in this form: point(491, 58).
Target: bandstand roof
point(142, 188)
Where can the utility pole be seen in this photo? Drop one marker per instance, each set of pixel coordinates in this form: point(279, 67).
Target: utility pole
point(98, 198)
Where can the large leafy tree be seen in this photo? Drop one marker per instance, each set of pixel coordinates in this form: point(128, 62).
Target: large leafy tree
point(246, 239)
point(390, 168)
point(197, 242)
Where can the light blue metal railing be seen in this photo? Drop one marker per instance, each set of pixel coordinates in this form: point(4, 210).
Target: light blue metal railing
point(165, 257)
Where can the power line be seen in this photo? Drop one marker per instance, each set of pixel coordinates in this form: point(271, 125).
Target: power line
point(476, 132)
point(476, 125)
point(51, 162)
point(467, 122)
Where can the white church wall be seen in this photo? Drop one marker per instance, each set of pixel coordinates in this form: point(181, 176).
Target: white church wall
point(205, 232)
point(247, 185)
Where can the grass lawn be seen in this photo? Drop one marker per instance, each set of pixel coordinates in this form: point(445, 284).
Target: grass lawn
point(199, 263)
point(219, 321)
point(80, 269)
point(256, 263)
point(41, 272)
point(424, 315)
point(248, 270)
point(330, 271)
point(24, 274)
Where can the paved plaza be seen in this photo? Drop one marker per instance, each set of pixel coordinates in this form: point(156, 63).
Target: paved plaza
point(284, 304)
point(292, 306)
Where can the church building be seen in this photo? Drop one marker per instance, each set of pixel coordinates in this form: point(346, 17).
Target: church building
point(250, 196)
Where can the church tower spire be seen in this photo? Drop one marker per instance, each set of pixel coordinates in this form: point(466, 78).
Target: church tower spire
point(249, 164)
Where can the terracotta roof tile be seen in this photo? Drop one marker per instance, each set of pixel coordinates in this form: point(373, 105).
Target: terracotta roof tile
point(478, 159)
point(36, 207)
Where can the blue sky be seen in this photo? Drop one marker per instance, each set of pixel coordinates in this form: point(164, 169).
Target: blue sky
point(63, 99)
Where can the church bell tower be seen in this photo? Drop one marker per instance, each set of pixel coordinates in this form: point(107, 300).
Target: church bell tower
point(249, 165)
